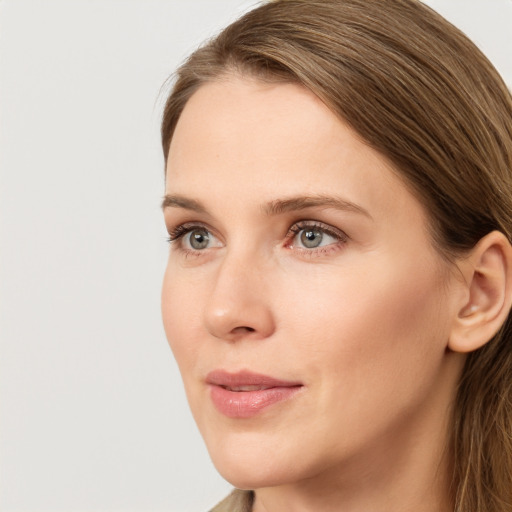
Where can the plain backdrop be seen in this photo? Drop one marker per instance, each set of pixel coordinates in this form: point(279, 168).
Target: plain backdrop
point(93, 415)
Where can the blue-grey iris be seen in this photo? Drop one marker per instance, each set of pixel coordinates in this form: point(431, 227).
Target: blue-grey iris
point(199, 239)
point(311, 238)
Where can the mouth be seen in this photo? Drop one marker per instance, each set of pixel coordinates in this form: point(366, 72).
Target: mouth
point(238, 389)
point(246, 394)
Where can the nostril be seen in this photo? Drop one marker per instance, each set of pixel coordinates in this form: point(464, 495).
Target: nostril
point(244, 328)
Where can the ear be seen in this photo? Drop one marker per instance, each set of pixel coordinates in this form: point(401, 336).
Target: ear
point(487, 273)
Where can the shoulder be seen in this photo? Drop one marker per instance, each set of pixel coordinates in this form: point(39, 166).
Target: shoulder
point(237, 501)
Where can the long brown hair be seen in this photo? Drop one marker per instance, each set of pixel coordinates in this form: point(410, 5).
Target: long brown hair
point(419, 92)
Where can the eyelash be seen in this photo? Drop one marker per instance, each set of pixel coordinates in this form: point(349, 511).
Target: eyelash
point(181, 230)
point(178, 232)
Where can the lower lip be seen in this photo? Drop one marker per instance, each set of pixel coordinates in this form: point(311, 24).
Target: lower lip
point(246, 404)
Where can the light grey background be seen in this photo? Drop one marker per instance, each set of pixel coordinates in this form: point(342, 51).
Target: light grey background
point(93, 416)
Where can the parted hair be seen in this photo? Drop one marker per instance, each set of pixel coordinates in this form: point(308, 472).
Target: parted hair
point(418, 91)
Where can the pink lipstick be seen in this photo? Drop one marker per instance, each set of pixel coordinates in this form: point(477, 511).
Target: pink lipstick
point(244, 394)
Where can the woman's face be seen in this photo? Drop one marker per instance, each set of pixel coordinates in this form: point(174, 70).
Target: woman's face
point(303, 300)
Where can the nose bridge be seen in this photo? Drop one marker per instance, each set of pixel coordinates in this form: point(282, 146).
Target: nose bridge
point(239, 306)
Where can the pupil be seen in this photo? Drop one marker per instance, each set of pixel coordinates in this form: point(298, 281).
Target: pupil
point(199, 239)
point(311, 238)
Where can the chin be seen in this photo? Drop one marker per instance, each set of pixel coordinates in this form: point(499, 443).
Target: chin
point(250, 463)
point(244, 475)
point(241, 466)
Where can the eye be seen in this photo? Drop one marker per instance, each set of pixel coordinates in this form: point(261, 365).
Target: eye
point(193, 238)
point(313, 235)
point(197, 239)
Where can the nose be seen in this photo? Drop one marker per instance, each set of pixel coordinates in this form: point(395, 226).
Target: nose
point(239, 306)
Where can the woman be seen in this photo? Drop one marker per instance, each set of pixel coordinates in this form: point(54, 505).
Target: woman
point(337, 297)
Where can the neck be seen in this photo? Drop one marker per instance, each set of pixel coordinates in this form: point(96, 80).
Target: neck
point(399, 487)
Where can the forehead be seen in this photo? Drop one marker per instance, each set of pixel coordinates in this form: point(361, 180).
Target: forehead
point(244, 141)
point(253, 116)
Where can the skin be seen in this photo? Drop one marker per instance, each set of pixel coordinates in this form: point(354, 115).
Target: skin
point(362, 321)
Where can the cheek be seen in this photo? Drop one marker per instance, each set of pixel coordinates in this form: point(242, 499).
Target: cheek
point(179, 314)
point(371, 330)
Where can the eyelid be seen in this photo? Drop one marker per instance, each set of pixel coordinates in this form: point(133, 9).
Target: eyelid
point(180, 230)
point(330, 230)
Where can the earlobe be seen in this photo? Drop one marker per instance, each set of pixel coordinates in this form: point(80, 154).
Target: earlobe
point(487, 273)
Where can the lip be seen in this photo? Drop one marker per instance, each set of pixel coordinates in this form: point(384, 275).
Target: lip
point(245, 394)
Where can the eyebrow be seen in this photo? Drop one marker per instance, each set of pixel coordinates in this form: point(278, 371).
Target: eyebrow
point(174, 201)
point(292, 204)
point(275, 207)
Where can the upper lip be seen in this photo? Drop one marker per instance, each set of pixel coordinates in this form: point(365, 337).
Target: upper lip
point(243, 378)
